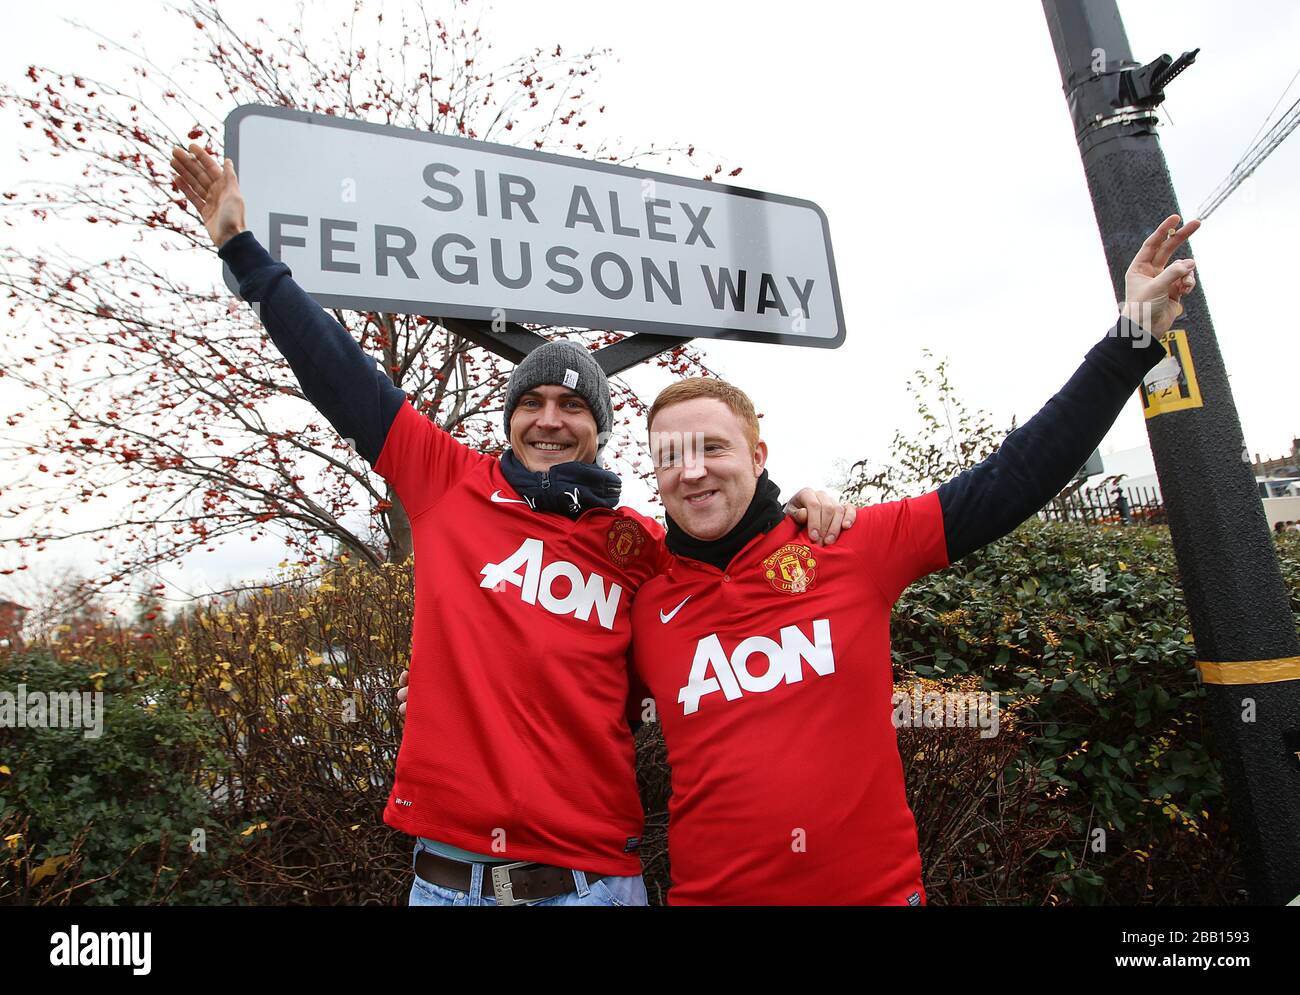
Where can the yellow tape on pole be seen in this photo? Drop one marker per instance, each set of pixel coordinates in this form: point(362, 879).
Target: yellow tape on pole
point(1286, 668)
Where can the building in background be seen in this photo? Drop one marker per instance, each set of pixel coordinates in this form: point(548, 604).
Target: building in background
point(1283, 466)
point(1136, 464)
point(1097, 497)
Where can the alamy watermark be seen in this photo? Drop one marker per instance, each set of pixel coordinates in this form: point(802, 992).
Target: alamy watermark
point(53, 710)
point(101, 949)
point(947, 710)
point(677, 449)
point(1140, 320)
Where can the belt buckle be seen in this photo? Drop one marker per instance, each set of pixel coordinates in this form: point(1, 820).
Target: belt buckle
point(503, 887)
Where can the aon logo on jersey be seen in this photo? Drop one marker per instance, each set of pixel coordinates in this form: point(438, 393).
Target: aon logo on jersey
point(538, 584)
point(744, 670)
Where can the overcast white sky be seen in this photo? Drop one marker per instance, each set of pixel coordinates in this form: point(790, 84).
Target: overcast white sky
point(936, 138)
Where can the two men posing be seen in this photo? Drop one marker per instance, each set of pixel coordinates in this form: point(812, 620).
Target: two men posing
point(516, 772)
point(768, 656)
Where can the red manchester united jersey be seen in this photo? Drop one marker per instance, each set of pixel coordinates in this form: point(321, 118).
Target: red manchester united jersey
point(773, 683)
point(516, 743)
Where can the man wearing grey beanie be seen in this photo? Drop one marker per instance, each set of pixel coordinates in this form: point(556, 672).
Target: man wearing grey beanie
point(516, 772)
point(563, 364)
point(554, 453)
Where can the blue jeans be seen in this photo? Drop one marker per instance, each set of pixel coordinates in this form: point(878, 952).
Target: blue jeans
point(616, 891)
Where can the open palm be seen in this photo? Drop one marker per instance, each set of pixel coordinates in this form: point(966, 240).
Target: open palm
point(212, 190)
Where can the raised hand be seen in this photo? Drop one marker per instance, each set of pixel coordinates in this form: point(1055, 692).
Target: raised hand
point(212, 190)
point(1152, 285)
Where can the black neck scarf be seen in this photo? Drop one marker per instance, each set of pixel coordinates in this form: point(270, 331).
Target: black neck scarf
point(566, 489)
point(764, 514)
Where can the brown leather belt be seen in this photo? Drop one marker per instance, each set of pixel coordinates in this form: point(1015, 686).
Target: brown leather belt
point(510, 884)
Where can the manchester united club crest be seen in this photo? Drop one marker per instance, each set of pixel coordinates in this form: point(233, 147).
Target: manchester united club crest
point(626, 540)
point(792, 569)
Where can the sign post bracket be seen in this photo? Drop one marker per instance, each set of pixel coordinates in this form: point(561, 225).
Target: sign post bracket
point(626, 353)
point(513, 342)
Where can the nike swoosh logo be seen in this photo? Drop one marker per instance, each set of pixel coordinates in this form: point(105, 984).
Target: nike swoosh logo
point(498, 499)
point(669, 617)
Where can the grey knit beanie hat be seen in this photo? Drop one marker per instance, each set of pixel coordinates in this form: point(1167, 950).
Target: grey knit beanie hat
point(563, 364)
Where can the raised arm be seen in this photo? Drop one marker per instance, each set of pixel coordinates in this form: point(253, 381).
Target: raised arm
point(337, 377)
point(1039, 458)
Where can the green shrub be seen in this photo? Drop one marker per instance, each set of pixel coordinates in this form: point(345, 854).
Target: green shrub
point(1089, 622)
point(108, 820)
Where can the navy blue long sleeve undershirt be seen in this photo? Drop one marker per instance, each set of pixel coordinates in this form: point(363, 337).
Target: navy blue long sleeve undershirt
point(1041, 456)
point(344, 384)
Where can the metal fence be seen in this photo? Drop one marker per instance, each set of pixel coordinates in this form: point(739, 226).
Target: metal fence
point(1107, 506)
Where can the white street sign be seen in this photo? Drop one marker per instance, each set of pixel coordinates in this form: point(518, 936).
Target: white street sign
point(371, 217)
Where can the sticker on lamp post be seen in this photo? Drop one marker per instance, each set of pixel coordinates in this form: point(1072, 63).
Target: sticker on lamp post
point(1171, 384)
